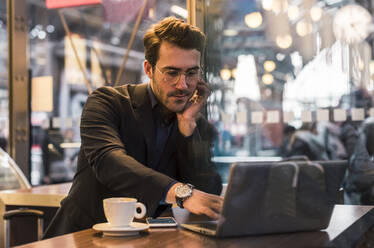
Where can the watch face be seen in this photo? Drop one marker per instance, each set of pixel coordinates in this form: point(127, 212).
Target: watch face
point(183, 191)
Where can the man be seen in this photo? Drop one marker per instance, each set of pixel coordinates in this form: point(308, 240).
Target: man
point(147, 141)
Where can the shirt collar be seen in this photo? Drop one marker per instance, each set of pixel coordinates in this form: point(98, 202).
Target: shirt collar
point(152, 96)
point(166, 115)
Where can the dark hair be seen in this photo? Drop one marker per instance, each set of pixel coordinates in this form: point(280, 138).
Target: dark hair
point(288, 129)
point(175, 31)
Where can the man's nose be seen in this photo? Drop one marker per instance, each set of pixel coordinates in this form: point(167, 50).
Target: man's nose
point(181, 83)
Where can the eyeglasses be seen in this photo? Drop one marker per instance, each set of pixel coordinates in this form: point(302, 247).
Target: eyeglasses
point(172, 76)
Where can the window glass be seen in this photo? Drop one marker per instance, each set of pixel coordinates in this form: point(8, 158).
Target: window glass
point(99, 36)
point(4, 123)
point(289, 78)
point(11, 176)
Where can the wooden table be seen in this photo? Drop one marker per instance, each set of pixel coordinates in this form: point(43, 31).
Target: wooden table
point(47, 195)
point(344, 218)
point(46, 198)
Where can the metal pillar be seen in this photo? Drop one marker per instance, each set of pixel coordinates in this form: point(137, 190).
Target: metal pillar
point(195, 10)
point(19, 87)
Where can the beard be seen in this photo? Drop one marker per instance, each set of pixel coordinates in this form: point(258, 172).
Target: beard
point(165, 98)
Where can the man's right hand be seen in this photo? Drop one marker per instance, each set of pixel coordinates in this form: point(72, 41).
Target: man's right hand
point(199, 202)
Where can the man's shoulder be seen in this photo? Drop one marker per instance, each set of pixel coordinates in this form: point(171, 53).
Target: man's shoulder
point(123, 92)
point(125, 89)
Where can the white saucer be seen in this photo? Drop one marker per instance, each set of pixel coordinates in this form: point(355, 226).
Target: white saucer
point(130, 230)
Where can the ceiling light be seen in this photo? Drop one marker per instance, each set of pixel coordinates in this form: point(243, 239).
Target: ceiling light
point(253, 20)
point(316, 13)
point(280, 56)
point(115, 40)
point(179, 11)
point(284, 41)
point(50, 28)
point(151, 13)
point(332, 2)
point(233, 72)
point(230, 32)
point(293, 12)
point(279, 6)
point(42, 34)
point(225, 74)
point(361, 65)
point(269, 65)
point(304, 28)
point(371, 66)
point(267, 79)
point(267, 4)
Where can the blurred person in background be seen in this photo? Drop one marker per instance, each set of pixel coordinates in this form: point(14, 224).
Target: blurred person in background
point(306, 142)
point(53, 156)
point(288, 131)
point(3, 141)
point(359, 181)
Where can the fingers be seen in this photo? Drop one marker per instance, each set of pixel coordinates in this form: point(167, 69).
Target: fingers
point(203, 89)
point(212, 203)
point(204, 203)
point(211, 214)
point(216, 203)
point(213, 198)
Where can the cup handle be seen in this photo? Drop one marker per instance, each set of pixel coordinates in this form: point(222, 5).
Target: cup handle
point(142, 212)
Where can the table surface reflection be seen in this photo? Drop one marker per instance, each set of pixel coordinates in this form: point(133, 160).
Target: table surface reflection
point(342, 219)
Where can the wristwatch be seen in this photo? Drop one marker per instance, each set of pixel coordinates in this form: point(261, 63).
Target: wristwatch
point(182, 193)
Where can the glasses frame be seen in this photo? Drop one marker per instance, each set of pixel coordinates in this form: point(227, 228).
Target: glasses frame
point(200, 73)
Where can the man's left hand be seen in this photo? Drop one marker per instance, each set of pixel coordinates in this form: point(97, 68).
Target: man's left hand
point(203, 203)
point(191, 113)
point(199, 203)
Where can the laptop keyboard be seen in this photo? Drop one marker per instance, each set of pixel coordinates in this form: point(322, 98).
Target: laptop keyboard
point(207, 225)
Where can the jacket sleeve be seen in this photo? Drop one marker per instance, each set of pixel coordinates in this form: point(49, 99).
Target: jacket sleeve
point(105, 151)
point(194, 159)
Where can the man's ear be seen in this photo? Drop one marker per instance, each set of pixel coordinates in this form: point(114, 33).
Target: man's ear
point(148, 69)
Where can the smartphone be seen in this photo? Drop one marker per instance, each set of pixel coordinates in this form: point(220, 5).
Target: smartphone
point(161, 222)
point(194, 97)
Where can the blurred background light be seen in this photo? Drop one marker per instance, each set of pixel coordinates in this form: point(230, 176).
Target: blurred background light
point(267, 4)
point(316, 13)
point(267, 79)
point(225, 74)
point(269, 65)
point(253, 20)
point(304, 28)
point(293, 12)
point(179, 11)
point(283, 41)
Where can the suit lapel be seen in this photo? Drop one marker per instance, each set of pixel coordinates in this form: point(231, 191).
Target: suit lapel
point(143, 115)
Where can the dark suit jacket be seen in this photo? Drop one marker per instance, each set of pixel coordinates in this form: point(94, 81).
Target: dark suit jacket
point(118, 147)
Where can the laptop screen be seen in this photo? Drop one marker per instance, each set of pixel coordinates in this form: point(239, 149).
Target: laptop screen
point(275, 197)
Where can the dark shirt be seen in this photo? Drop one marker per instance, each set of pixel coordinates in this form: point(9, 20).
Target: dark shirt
point(164, 121)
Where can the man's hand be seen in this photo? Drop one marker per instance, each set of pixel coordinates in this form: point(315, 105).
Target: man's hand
point(199, 203)
point(204, 203)
point(191, 113)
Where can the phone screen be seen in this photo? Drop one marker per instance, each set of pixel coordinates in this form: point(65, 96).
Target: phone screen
point(161, 222)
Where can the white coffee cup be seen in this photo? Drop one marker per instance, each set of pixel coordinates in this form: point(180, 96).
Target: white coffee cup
point(120, 211)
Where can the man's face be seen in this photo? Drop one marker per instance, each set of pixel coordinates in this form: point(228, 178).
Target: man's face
point(173, 59)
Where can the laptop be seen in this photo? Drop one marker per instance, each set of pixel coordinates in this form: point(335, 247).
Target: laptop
point(273, 197)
